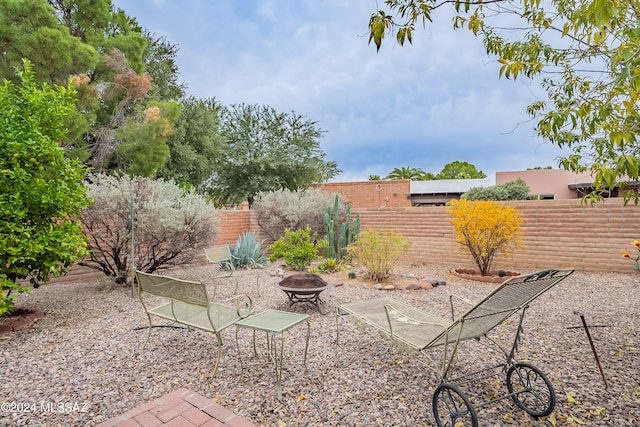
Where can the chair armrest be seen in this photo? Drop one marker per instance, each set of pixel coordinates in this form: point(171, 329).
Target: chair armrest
point(242, 303)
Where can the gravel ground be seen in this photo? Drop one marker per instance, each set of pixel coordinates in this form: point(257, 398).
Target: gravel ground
point(86, 354)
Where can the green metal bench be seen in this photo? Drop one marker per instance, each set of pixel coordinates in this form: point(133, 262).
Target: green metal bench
point(188, 304)
point(414, 328)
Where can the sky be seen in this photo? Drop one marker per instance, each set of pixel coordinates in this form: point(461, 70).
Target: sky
point(422, 105)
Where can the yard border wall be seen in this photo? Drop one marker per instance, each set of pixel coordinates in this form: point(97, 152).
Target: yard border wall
point(556, 234)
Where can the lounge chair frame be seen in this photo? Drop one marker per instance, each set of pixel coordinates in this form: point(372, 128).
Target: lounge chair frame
point(418, 330)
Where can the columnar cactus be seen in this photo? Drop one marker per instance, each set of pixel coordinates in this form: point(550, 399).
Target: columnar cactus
point(337, 247)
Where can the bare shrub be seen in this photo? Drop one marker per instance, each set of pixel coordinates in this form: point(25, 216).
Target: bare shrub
point(171, 224)
point(279, 210)
point(379, 251)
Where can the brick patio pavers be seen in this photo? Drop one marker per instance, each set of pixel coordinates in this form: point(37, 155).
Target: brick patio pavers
point(181, 407)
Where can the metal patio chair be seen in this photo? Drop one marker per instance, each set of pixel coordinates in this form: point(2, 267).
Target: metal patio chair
point(222, 257)
point(527, 386)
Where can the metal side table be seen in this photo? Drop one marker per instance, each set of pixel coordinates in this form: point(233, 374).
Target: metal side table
point(274, 323)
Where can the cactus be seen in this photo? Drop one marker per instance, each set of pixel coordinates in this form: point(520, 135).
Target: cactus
point(339, 237)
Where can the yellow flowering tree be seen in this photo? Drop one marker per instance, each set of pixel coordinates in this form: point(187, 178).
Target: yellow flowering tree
point(627, 254)
point(486, 229)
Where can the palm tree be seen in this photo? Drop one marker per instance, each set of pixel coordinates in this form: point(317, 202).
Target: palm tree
point(406, 173)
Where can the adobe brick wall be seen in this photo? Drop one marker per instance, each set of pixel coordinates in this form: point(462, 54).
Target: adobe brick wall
point(556, 233)
point(233, 223)
point(373, 194)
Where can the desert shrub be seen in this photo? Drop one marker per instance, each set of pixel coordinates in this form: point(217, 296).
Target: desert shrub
point(171, 224)
point(247, 252)
point(298, 248)
point(329, 265)
point(512, 190)
point(378, 251)
point(275, 211)
point(486, 229)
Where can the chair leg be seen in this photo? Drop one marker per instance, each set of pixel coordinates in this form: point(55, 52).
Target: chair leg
point(148, 332)
point(219, 350)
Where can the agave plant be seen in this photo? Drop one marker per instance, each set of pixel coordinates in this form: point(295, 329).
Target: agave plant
point(247, 252)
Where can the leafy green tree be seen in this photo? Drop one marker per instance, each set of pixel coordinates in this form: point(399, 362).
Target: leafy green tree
point(374, 178)
point(265, 150)
point(460, 170)
point(144, 150)
point(195, 143)
point(30, 30)
point(512, 190)
point(406, 172)
point(586, 53)
point(160, 63)
point(98, 24)
point(41, 196)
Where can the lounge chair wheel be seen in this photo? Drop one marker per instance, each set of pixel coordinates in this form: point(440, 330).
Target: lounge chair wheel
point(534, 392)
point(452, 408)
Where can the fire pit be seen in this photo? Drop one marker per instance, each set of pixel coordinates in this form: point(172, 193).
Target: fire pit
point(304, 287)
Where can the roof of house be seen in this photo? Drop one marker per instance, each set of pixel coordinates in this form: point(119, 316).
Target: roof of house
point(447, 186)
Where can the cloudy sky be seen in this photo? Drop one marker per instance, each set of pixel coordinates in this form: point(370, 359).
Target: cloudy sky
point(422, 105)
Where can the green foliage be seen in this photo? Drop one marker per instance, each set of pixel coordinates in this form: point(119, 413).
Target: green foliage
point(512, 190)
point(298, 248)
point(339, 236)
point(195, 143)
point(171, 224)
point(460, 170)
point(144, 150)
point(30, 30)
point(160, 63)
point(486, 229)
point(329, 265)
point(403, 172)
point(247, 252)
point(379, 251)
point(586, 53)
point(374, 178)
point(41, 194)
point(267, 151)
point(277, 210)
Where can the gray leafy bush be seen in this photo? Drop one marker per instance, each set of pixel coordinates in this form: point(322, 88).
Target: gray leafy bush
point(512, 190)
point(171, 224)
point(278, 210)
